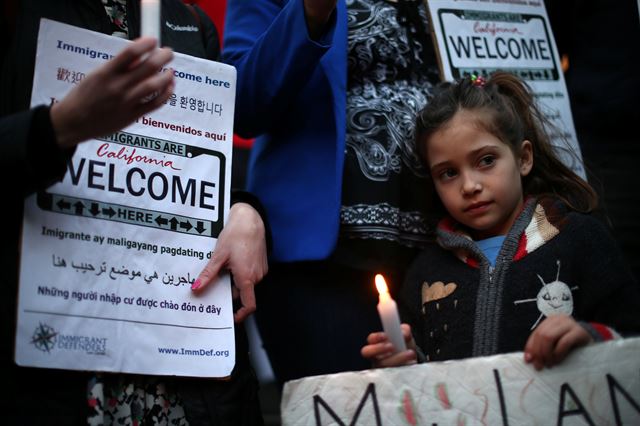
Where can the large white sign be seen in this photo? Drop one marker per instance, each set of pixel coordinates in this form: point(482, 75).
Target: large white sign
point(482, 36)
point(110, 253)
point(596, 385)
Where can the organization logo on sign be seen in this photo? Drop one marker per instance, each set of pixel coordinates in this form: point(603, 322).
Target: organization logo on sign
point(44, 337)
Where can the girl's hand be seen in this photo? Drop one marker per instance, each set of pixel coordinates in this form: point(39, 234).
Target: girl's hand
point(551, 342)
point(382, 354)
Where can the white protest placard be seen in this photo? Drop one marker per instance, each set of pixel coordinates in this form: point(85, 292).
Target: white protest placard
point(482, 36)
point(595, 385)
point(110, 253)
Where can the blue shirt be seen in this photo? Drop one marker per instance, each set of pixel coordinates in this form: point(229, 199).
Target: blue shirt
point(491, 247)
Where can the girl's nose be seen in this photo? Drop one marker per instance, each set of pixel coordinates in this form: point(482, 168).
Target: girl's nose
point(470, 185)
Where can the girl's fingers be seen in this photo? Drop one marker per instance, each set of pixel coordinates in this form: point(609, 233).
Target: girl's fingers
point(406, 330)
point(575, 337)
point(542, 348)
point(377, 351)
point(407, 357)
point(377, 337)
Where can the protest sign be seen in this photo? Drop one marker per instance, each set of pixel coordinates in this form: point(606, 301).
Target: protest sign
point(482, 36)
point(599, 384)
point(109, 254)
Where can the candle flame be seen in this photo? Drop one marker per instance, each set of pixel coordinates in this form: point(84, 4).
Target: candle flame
point(381, 284)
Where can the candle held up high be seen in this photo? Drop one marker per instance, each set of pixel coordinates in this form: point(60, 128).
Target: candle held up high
point(150, 19)
point(389, 317)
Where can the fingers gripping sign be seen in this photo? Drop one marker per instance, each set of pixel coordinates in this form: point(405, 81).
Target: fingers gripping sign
point(241, 249)
point(553, 339)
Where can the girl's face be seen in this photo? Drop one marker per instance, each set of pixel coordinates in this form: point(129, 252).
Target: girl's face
point(477, 176)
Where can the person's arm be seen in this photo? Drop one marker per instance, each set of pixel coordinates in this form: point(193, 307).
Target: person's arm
point(29, 151)
point(35, 145)
point(609, 293)
point(275, 55)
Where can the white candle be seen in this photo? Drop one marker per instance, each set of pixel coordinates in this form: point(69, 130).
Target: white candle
point(150, 19)
point(389, 315)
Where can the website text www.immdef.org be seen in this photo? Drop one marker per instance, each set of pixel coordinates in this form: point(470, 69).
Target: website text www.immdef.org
point(193, 352)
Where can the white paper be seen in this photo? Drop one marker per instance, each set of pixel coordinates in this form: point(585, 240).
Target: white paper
point(595, 385)
point(482, 36)
point(109, 254)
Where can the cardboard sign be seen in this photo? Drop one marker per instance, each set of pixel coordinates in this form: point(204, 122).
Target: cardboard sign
point(482, 36)
point(596, 385)
point(109, 254)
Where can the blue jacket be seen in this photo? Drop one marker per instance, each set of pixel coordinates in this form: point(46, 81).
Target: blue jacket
point(292, 97)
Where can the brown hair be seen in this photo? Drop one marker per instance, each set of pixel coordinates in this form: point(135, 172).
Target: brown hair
point(510, 113)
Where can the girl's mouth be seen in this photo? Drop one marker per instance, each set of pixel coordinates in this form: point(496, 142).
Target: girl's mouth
point(477, 207)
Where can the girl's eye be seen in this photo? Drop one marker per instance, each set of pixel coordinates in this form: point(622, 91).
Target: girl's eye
point(487, 160)
point(447, 174)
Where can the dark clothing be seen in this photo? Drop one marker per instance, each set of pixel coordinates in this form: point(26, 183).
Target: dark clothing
point(17, 75)
point(334, 307)
point(36, 396)
point(29, 151)
point(390, 74)
point(333, 164)
point(600, 40)
point(226, 402)
point(551, 262)
point(58, 397)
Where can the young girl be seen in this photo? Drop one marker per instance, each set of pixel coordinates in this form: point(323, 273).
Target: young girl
point(519, 264)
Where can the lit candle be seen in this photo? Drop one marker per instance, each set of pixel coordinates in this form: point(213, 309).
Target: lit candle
point(389, 315)
point(150, 21)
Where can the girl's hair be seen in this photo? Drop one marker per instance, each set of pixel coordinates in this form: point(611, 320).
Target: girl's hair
point(508, 111)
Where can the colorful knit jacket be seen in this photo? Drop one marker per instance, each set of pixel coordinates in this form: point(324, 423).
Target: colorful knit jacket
point(551, 262)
